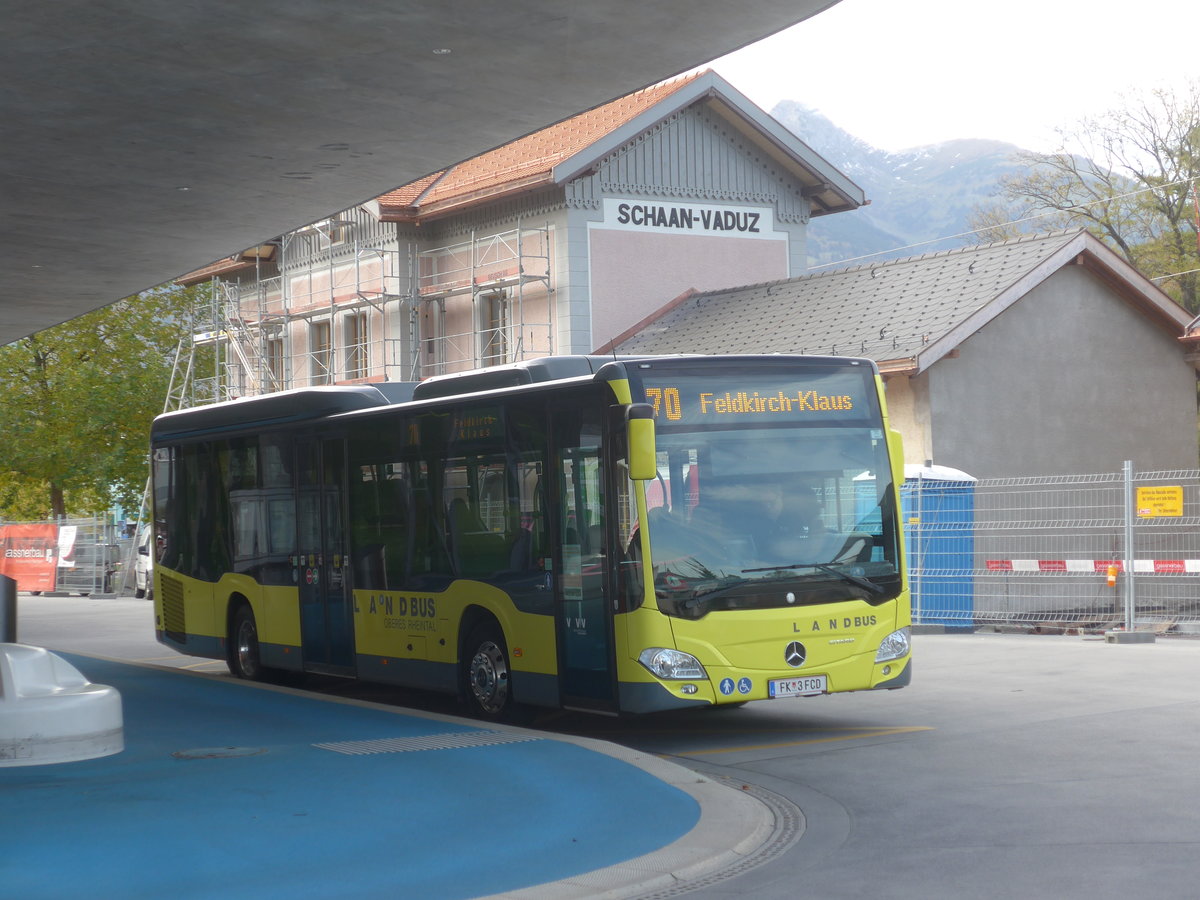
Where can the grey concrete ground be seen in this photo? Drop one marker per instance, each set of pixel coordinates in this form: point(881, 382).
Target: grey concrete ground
point(120, 628)
point(1019, 767)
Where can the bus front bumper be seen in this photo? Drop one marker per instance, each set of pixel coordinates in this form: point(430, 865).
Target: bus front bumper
point(725, 685)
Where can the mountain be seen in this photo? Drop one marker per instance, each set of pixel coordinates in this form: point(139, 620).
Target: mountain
point(916, 196)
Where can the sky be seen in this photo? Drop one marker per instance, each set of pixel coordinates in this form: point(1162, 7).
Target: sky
point(904, 73)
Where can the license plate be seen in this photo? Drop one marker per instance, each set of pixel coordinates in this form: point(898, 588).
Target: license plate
point(798, 687)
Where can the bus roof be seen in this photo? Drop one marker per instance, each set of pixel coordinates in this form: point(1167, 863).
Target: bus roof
point(269, 409)
point(313, 403)
point(532, 371)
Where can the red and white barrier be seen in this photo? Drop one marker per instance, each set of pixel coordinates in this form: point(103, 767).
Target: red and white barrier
point(1099, 566)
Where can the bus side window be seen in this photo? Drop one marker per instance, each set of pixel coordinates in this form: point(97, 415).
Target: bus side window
point(379, 525)
point(475, 524)
point(428, 546)
point(625, 554)
point(524, 531)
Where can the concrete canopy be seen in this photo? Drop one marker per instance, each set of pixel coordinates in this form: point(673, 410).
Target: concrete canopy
point(143, 139)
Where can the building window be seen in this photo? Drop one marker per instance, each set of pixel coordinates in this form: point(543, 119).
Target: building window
point(356, 345)
point(275, 364)
point(319, 341)
point(493, 329)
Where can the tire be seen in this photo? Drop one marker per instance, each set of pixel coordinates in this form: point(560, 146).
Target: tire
point(244, 660)
point(485, 673)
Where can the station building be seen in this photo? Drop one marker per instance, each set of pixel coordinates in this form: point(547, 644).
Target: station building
point(673, 220)
point(555, 243)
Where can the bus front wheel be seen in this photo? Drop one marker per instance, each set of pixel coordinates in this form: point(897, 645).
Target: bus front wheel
point(244, 661)
point(486, 673)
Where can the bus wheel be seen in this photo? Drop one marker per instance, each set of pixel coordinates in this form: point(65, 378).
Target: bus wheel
point(485, 670)
point(243, 652)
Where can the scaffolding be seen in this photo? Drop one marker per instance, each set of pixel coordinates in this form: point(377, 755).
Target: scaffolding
point(497, 275)
point(344, 300)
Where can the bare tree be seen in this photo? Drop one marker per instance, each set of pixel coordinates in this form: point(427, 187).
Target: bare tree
point(1132, 183)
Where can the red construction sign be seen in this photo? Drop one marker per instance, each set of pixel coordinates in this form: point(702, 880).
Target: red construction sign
point(28, 554)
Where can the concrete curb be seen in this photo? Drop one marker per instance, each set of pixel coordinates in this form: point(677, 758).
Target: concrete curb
point(733, 825)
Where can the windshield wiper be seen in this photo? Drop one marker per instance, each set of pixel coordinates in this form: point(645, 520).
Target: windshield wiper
point(706, 592)
point(865, 583)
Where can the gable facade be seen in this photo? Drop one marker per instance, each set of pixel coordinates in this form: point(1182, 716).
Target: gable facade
point(1070, 379)
point(690, 203)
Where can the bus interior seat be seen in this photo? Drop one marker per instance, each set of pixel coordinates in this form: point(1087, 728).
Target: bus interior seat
point(474, 550)
point(461, 519)
point(369, 571)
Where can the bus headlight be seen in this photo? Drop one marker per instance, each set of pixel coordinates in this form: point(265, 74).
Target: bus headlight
point(671, 664)
point(894, 646)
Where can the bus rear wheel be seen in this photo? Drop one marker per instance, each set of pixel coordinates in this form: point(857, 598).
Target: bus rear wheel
point(486, 673)
point(244, 660)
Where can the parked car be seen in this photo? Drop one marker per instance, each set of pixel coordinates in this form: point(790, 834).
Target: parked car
point(143, 563)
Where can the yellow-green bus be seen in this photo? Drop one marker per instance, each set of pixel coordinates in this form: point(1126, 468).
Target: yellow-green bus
point(597, 533)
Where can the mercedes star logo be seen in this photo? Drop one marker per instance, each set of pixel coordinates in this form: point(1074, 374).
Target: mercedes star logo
point(794, 654)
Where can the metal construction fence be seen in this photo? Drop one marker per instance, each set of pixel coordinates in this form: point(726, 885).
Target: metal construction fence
point(1087, 552)
point(76, 556)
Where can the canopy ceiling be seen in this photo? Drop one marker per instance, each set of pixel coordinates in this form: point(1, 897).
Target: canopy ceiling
point(144, 139)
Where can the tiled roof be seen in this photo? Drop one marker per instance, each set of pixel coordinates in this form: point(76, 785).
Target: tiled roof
point(526, 161)
point(902, 312)
point(407, 196)
point(226, 266)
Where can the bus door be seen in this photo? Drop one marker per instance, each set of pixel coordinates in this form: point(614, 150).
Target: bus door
point(326, 613)
point(582, 614)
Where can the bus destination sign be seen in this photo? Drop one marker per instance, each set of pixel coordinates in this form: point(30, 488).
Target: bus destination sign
point(696, 400)
point(471, 425)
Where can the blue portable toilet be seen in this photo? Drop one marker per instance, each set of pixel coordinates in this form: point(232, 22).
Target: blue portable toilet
point(938, 507)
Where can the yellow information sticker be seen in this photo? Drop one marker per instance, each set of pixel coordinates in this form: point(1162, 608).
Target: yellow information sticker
point(1159, 501)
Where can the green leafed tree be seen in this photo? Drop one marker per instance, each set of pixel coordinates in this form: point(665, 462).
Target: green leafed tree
point(76, 402)
point(1131, 181)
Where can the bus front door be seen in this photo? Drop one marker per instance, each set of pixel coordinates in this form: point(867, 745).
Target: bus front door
point(326, 614)
point(583, 618)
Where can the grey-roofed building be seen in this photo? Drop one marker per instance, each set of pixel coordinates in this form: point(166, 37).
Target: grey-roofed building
point(1045, 354)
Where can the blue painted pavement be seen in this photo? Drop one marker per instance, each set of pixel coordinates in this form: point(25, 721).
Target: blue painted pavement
point(234, 790)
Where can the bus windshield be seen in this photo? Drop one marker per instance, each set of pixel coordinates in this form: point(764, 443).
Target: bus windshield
point(770, 493)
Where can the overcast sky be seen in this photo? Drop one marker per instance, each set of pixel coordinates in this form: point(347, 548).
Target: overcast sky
point(902, 73)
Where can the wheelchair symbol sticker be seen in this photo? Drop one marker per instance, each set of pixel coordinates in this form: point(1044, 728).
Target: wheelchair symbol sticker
point(726, 686)
point(744, 685)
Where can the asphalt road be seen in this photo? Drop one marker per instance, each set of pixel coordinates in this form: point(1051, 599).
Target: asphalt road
point(1013, 766)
